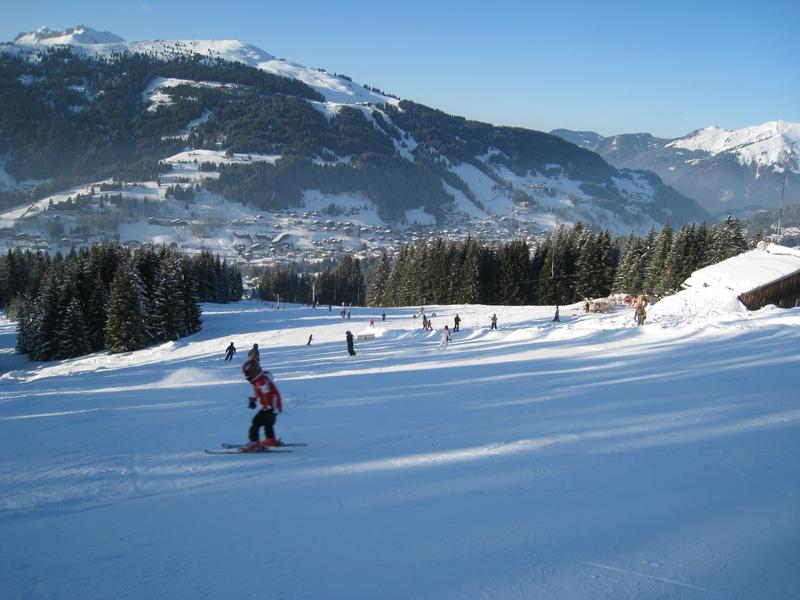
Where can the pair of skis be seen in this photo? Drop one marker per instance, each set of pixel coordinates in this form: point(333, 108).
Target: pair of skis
point(237, 448)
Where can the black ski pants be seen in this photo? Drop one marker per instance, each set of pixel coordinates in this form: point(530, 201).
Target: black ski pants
point(264, 418)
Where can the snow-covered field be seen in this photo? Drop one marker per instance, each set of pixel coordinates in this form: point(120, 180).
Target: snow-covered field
point(582, 459)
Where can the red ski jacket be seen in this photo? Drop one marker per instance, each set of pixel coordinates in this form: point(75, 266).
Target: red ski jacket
point(266, 392)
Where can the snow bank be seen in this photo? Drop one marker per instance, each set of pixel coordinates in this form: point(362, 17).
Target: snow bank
point(695, 303)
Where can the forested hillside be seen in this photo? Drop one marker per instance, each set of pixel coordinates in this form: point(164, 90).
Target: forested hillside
point(67, 119)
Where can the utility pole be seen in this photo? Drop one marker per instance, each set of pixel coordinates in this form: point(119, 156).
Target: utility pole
point(783, 187)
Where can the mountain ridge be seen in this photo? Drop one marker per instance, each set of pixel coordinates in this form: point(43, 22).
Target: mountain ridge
point(724, 170)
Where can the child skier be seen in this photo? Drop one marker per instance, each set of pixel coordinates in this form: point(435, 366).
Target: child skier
point(269, 397)
point(445, 338)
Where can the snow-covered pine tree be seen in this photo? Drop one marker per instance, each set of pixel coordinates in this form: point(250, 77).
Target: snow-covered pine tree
point(726, 240)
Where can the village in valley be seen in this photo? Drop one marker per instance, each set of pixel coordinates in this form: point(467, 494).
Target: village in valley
point(133, 213)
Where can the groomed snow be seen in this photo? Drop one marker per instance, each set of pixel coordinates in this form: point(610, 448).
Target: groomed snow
point(582, 459)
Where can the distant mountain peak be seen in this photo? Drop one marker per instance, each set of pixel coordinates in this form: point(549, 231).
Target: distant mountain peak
point(764, 145)
point(80, 34)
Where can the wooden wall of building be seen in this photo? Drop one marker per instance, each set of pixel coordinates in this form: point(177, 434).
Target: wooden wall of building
point(784, 293)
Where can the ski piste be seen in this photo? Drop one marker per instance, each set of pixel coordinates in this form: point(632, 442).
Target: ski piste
point(278, 447)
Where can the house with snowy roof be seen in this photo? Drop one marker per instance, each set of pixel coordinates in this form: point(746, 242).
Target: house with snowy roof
point(770, 274)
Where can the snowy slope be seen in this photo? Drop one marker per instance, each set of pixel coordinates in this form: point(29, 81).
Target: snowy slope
point(586, 459)
point(764, 145)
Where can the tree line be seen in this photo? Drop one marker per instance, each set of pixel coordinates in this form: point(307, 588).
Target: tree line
point(343, 283)
point(566, 266)
point(108, 296)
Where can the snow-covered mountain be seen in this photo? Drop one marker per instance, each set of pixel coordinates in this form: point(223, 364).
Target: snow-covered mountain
point(767, 146)
point(79, 35)
point(723, 170)
point(314, 139)
point(86, 41)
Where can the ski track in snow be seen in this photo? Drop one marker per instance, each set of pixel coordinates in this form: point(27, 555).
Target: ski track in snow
point(588, 458)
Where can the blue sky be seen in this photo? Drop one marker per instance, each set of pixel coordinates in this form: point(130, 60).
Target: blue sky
point(666, 68)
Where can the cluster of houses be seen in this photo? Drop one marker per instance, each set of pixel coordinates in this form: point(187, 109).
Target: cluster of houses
point(281, 237)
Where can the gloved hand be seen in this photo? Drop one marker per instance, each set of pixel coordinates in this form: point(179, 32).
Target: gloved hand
point(252, 402)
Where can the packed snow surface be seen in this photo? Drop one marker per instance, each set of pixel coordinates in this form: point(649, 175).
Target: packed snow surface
point(583, 459)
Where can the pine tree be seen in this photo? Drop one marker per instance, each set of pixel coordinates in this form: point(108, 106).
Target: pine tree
point(589, 266)
point(608, 255)
point(167, 315)
point(96, 314)
point(630, 273)
point(26, 321)
point(47, 314)
point(126, 328)
point(378, 282)
point(469, 280)
point(192, 321)
point(680, 262)
point(514, 272)
point(726, 240)
point(655, 276)
point(73, 336)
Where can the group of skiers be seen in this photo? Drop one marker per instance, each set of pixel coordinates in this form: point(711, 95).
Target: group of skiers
point(267, 397)
point(230, 352)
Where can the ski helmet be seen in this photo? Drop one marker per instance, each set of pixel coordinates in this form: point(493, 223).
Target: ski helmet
point(251, 369)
